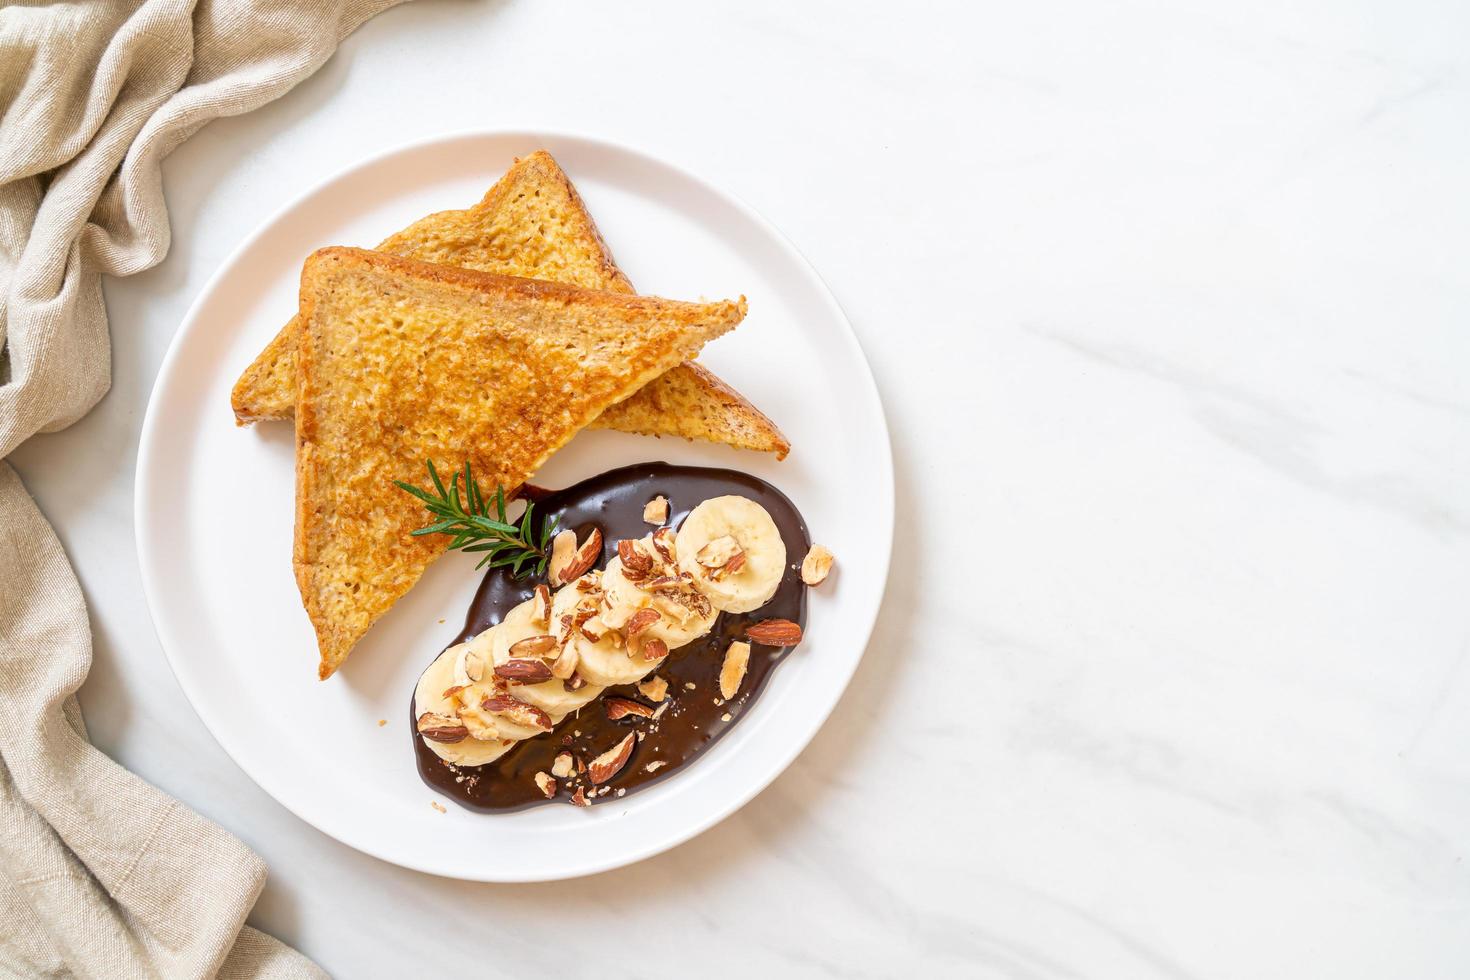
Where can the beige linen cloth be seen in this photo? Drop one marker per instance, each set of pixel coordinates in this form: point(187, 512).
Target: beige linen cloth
point(101, 874)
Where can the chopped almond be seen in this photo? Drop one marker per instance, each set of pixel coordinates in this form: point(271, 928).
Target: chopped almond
point(656, 511)
point(654, 689)
point(541, 611)
point(816, 566)
point(611, 762)
point(623, 707)
point(732, 671)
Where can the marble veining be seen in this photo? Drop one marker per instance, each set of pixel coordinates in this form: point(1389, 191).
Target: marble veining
point(1166, 303)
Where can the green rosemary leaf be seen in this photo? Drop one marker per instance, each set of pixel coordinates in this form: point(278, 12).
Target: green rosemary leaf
point(454, 500)
point(438, 483)
point(467, 517)
point(423, 495)
point(420, 532)
point(491, 527)
point(472, 489)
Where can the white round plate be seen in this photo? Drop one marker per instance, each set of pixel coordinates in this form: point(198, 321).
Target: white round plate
point(214, 515)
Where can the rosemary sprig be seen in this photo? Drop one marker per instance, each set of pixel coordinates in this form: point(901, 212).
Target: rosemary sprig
point(480, 525)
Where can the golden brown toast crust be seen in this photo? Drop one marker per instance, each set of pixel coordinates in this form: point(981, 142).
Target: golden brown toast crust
point(502, 372)
point(690, 401)
point(532, 224)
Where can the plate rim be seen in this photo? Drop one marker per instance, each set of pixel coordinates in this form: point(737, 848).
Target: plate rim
point(149, 448)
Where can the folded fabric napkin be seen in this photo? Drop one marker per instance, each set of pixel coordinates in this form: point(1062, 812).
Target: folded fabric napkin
point(101, 874)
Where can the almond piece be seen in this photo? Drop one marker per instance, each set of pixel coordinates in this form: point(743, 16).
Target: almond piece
point(541, 605)
point(653, 649)
point(533, 646)
point(563, 551)
point(656, 511)
point(574, 683)
point(623, 707)
point(570, 560)
point(732, 671)
point(587, 556)
point(717, 553)
point(468, 665)
point(663, 543)
point(640, 621)
point(524, 671)
point(698, 602)
point(476, 723)
point(518, 711)
point(545, 784)
point(654, 689)
point(816, 565)
point(579, 798)
point(565, 665)
point(611, 762)
point(593, 628)
point(441, 728)
point(637, 563)
point(561, 766)
point(774, 633)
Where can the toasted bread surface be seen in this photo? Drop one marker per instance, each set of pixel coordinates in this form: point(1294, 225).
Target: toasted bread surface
point(690, 401)
point(531, 224)
point(401, 362)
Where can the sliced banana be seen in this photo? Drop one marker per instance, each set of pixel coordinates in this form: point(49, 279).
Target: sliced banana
point(604, 662)
point(429, 697)
point(762, 553)
point(550, 696)
point(678, 623)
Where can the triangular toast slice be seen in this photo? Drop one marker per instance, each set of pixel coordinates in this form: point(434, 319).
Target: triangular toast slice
point(690, 401)
point(401, 362)
point(533, 224)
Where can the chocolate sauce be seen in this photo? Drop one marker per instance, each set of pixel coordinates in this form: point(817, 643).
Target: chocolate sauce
point(613, 502)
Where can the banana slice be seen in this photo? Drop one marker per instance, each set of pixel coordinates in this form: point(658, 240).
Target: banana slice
point(678, 622)
point(603, 662)
point(734, 551)
point(551, 696)
point(428, 696)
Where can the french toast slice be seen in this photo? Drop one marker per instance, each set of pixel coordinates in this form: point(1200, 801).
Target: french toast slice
point(533, 224)
point(690, 401)
point(400, 362)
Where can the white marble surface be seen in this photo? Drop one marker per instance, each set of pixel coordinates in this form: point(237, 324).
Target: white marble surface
point(1167, 303)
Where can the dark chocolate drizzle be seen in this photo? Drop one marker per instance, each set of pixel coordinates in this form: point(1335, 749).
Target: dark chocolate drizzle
point(613, 502)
